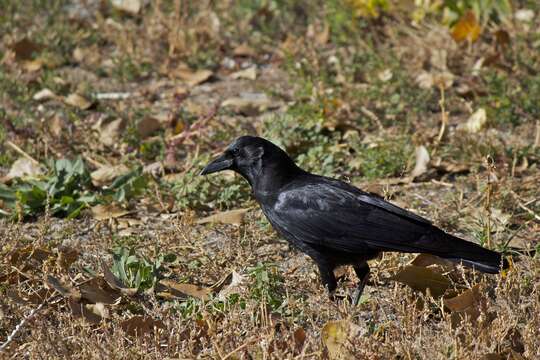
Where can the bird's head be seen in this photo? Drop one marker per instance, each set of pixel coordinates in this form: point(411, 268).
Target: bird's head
point(250, 156)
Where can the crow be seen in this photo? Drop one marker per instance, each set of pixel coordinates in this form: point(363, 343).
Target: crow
point(336, 223)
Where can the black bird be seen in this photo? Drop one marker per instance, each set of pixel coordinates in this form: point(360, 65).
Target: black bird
point(334, 222)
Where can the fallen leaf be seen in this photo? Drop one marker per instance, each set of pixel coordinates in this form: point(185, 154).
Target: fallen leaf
point(20, 256)
point(25, 48)
point(64, 290)
point(234, 217)
point(67, 256)
point(467, 28)
point(109, 130)
point(44, 94)
point(132, 7)
point(338, 337)
point(97, 290)
point(107, 173)
point(106, 212)
point(299, 337)
point(147, 126)
point(115, 283)
point(250, 103)
point(422, 161)
point(421, 278)
point(56, 125)
point(244, 50)
point(385, 75)
point(24, 168)
point(250, 73)
point(78, 101)
point(467, 304)
point(426, 260)
point(476, 122)
point(193, 78)
point(234, 283)
point(32, 65)
point(141, 325)
point(169, 288)
point(79, 309)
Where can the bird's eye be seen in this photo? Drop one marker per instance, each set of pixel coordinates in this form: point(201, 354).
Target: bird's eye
point(235, 151)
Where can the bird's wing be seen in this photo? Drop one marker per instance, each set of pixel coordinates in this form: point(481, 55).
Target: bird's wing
point(333, 216)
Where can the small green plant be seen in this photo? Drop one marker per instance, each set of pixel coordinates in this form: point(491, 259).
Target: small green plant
point(137, 271)
point(197, 192)
point(266, 286)
point(66, 190)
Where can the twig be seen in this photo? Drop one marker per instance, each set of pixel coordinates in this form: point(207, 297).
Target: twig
point(240, 347)
point(537, 136)
point(444, 115)
point(490, 167)
point(22, 323)
point(523, 206)
point(22, 152)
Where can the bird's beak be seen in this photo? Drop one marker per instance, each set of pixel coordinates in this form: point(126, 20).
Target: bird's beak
point(223, 162)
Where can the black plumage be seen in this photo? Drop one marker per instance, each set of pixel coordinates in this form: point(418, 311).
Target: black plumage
point(336, 223)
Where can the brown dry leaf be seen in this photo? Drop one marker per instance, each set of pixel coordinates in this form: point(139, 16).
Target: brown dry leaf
point(107, 173)
point(338, 335)
point(250, 73)
point(244, 50)
point(110, 130)
point(465, 301)
point(235, 217)
point(323, 36)
point(78, 101)
point(23, 168)
point(65, 290)
point(141, 325)
point(98, 291)
point(467, 28)
point(299, 337)
point(147, 126)
point(426, 260)
point(56, 125)
point(132, 7)
point(67, 256)
point(25, 48)
point(106, 212)
point(169, 288)
point(21, 256)
point(80, 310)
point(420, 278)
point(422, 161)
point(191, 77)
point(475, 123)
point(115, 283)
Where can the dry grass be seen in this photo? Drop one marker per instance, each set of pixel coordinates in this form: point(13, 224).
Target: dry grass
point(344, 101)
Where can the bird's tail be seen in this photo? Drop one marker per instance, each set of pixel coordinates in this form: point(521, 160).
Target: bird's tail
point(475, 256)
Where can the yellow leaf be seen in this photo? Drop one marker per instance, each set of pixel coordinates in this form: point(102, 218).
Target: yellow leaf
point(467, 28)
point(234, 217)
point(171, 289)
point(421, 278)
point(337, 336)
point(105, 212)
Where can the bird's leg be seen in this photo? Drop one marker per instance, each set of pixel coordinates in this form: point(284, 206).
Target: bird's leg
point(362, 271)
point(328, 279)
